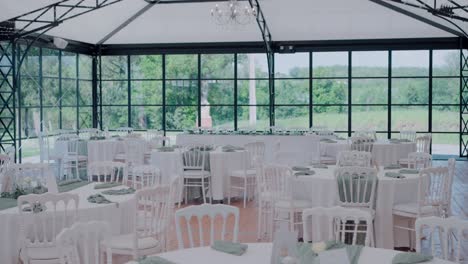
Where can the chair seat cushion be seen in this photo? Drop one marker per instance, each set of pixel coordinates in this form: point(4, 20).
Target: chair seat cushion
point(126, 242)
point(410, 209)
point(196, 174)
point(290, 203)
point(240, 173)
point(42, 253)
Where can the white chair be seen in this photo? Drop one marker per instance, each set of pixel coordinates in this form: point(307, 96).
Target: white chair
point(354, 158)
point(278, 184)
point(45, 153)
point(134, 152)
point(145, 176)
point(362, 143)
point(408, 135)
point(82, 243)
point(419, 160)
point(264, 201)
point(342, 223)
point(153, 133)
point(87, 133)
point(195, 174)
point(326, 133)
point(73, 160)
point(366, 133)
point(106, 171)
point(48, 214)
point(211, 211)
point(123, 131)
point(423, 143)
point(451, 233)
point(447, 210)
point(433, 190)
point(150, 224)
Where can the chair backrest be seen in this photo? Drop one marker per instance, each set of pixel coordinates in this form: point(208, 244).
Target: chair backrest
point(451, 167)
point(4, 163)
point(360, 143)
point(277, 181)
point(105, 171)
point(124, 130)
point(145, 176)
point(194, 157)
point(356, 186)
point(348, 225)
point(433, 187)
point(206, 210)
point(152, 211)
point(446, 247)
point(354, 158)
point(256, 150)
point(423, 143)
point(366, 133)
point(82, 243)
point(408, 135)
point(44, 147)
point(47, 215)
point(135, 151)
point(86, 133)
point(325, 133)
point(419, 160)
point(153, 133)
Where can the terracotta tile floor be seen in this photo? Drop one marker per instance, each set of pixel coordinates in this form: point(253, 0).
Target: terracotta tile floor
point(248, 216)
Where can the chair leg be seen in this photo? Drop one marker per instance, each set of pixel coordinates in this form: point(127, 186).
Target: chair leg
point(230, 190)
point(245, 190)
point(259, 219)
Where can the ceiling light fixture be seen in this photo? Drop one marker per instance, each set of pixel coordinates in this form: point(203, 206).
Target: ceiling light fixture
point(233, 13)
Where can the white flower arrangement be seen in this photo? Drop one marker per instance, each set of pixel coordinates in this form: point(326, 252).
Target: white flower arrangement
point(319, 247)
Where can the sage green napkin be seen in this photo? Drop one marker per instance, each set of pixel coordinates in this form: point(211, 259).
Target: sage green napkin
point(305, 173)
point(71, 186)
point(232, 248)
point(326, 140)
point(410, 258)
point(306, 255)
point(405, 140)
point(320, 166)
point(119, 192)
point(165, 149)
point(98, 199)
point(394, 175)
point(107, 185)
point(409, 171)
point(36, 208)
point(392, 167)
point(299, 168)
point(228, 150)
point(154, 260)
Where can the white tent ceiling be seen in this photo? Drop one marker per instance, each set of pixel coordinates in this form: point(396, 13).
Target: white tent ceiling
point(288, 20)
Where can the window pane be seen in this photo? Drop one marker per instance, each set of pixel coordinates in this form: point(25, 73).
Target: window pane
point(217, 92)
point(292, 65)
point(410, 118)
point(68, 118)
point(146, 67)
point(369, 118)
point(292, 91)
point(146, 92)
point(114, 116)
point(30, 66)
point(50, 63)
point(182, 92)
point(114, 92)
point(410, 91)
point(114, 67)
point(68, 65)
point(86, 117)
point(217, 116)
point(181, 117)
point(50, 118)
point(181, 67)
point(370, 64)
point(30, 124)
point(446, 118)
point(86, 95)
point(50, 92)
point(252, 66)
point(369, 91)
point(258, 87)
point(30, 92)
point(447, 144)
point(330, 64)
point(446, 90)
point(253, 116)
point(85, 67)
point(147, 117)
point(330, 91)
point(333, 117)
point(446, 62)
point(410, 63)
point(214, 66)
point(292, 116)
point(68, 92)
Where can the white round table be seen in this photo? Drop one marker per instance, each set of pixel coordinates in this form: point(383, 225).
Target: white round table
point(260, 253)
point(321, 190)
point(119, 214)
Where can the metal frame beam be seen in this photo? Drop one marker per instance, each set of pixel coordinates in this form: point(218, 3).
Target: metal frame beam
point(464, 103)
point(7, 95)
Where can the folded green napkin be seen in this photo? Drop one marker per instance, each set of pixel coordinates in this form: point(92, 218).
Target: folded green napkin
point(410, 258)
point(409, 171)
point(326, 140)
point(228, 150)
point(70, 185)
point(307, 255)
point(300, 168)
point(67, 182)
point(392, 167)
point(165, 149)
point(320, 166)
point(233, 248)
point(154, 260)
point(405, 140)
point(394, 175)
point(119, 192)
point(35, 208)
point(98, 199)
point(305, 173)
point(106, 185)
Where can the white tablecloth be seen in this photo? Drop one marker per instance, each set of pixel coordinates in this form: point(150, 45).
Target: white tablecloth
point(119, 214)
point(287, 143)
point(260, 253)
point(221, 164)
point(383, 152)
point(321, 190)
point(104, 150)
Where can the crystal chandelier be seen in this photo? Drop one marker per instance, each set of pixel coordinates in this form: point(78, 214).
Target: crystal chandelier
point(232, 13)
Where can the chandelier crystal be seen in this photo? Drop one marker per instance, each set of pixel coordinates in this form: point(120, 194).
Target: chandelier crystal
point(233, 13)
